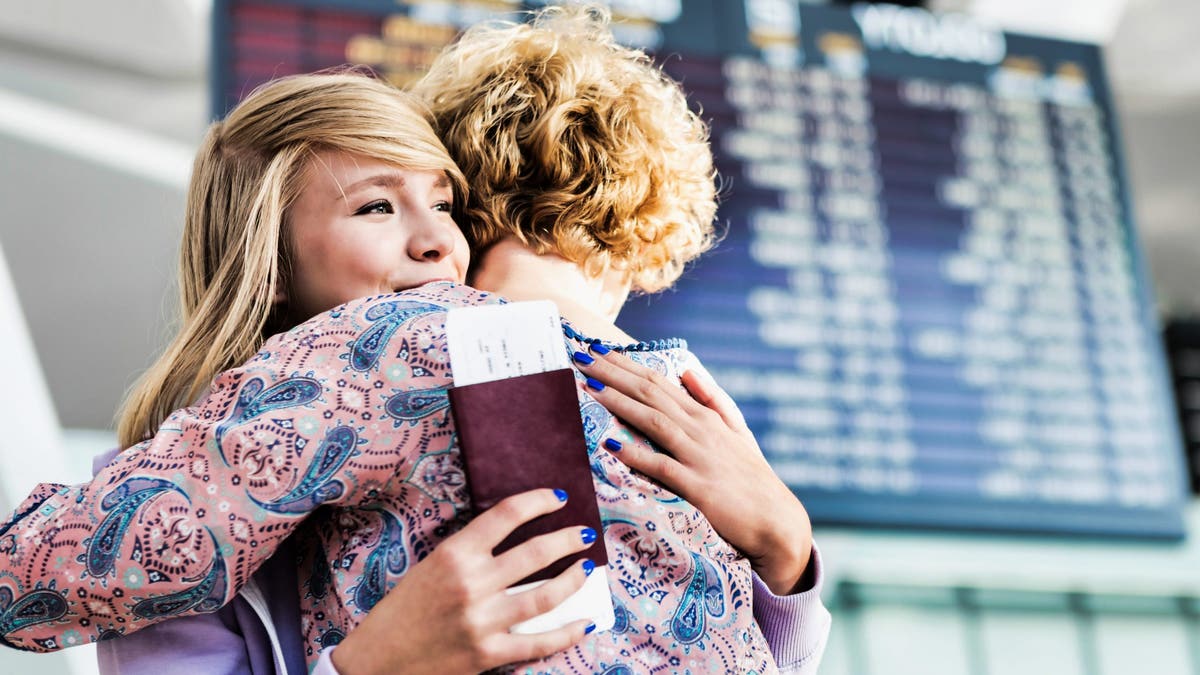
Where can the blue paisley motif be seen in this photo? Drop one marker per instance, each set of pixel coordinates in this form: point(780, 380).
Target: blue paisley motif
point(318, 485)
point(410, 406)
point(205, 597)
point(714, 595)
point(253, 401)
point(366, 349)
point(123, 503)
point(38, 606)
point(388, 557)
point(621, 617)
point(703, 596)
point(331, 637)
point(595, 419)
point(618, 669)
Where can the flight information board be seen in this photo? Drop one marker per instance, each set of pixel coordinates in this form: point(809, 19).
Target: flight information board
point(928, 300)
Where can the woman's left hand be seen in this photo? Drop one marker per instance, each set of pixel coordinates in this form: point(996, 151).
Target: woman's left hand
point(711, 460)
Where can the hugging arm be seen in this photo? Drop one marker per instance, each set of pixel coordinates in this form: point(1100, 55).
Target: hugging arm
point(713, 461)
point(450, 607)
point(175, 525)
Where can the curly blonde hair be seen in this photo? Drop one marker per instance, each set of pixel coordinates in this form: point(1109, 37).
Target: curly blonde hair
point(248, 171)
point(576, 145)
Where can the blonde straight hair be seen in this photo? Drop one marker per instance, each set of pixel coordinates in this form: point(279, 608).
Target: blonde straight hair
point(249, 169)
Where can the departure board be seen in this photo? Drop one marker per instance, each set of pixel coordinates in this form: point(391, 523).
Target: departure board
point(928, 299)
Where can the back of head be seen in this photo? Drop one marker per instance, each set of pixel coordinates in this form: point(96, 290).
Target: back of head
point(576, 145)
point(249, 169)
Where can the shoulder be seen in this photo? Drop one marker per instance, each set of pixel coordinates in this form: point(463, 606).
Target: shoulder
point(432, 299)
point(428, 304)
point(361, 335)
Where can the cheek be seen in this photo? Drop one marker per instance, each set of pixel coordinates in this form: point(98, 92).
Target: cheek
point(462, 256)
point(339, 268)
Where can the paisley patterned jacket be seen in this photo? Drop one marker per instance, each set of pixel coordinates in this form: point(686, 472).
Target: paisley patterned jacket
point(339, 432)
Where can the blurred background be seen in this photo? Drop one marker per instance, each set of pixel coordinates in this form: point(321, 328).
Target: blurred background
point(960, 251)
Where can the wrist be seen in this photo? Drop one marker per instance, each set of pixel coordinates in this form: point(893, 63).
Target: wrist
point(785, 557)
point(783, 573)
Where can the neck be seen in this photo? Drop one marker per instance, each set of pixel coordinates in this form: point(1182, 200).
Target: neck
point(511, 269)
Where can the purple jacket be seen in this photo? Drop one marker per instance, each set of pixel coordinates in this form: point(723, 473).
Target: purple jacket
point(259, 632)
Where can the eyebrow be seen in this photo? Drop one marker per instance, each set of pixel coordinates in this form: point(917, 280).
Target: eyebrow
point(386, 180)
point(383, 180)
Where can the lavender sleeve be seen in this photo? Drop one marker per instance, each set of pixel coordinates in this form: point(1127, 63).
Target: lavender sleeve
point(796, 626)
point(214, 644)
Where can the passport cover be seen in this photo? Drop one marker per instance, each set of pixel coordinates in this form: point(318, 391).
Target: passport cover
point(523, 433)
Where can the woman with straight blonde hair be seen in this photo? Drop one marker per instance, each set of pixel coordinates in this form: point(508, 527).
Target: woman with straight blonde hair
point(234, 256)
point(315, 190)
point(347, 410)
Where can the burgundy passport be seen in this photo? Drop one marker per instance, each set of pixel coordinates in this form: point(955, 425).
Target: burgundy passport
point(523, 433)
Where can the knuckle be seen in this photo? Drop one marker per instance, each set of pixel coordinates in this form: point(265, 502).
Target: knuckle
point(455, 564)
point(710, 417)
point(508, 509)
point(646, 388)
point(539, 548)
point(543, 601)
point(481, 656)
point(476, 631)
point(668, 471)
point(658, 422)
point(660, 381)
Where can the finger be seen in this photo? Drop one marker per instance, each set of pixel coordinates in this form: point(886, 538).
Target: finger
point(515, 648)
point(671, 429)
point(514, 609)
point(635, 380)
point(656, 465)
point(492, 526)
point(540, 552)
point(709, 394)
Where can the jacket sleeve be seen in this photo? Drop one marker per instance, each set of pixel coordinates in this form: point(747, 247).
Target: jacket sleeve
point(175, 526)
point(210, 643)
point(796, 626)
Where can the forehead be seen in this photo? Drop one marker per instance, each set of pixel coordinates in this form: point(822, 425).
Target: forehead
point(335, 168)
point(334, 172)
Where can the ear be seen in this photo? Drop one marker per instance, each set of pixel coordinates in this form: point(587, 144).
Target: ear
point(280, 297)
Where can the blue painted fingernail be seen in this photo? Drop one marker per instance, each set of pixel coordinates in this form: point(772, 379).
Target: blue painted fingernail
point(600, 349)
point(583, 358)
point(588, 567)
point(590, 627)
point(588, 535)
point(561, 494)
point(612, 444)
point(593, 383)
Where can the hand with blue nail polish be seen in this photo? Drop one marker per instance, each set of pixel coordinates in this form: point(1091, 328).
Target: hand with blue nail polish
point(456, 598)
point(711, 459)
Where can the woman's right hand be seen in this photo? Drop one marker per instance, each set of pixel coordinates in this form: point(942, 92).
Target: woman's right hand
point(450, 612)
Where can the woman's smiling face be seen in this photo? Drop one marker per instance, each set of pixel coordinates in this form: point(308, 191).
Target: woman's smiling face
point(365, 227)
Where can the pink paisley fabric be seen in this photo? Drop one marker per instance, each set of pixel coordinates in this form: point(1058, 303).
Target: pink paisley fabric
point(339, 431)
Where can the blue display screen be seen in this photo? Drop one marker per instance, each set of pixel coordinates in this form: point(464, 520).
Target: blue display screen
point(928, 299)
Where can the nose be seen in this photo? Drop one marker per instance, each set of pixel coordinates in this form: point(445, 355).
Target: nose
point(431, 241)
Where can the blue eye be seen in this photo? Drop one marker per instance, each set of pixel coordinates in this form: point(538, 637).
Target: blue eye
point(444, 207)
point(379, 206)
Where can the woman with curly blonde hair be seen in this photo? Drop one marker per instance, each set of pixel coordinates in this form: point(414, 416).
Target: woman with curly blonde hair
point(588, 178)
